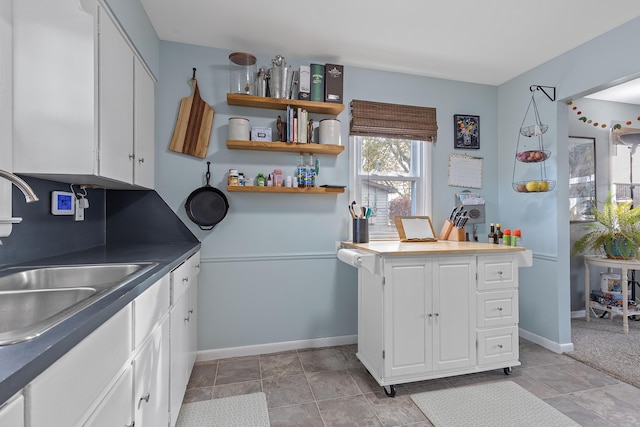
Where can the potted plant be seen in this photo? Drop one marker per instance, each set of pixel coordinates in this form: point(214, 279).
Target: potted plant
point(616, 231)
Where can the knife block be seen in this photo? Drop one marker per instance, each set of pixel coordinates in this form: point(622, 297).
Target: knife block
point(457, 234)
point(446, 230)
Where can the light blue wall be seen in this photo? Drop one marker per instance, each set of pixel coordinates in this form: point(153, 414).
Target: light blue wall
point(256, 258)
point(545, 288)
point(269, 270)
point(135, 22)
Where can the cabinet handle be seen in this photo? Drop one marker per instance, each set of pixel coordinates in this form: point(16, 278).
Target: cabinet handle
point(430, 315)
point(185, 279)
point(133, 423)
point(190, 311)
point(131, 156)
point(141, 160)
point(437, 314)
point(145, 398)
point(188, 318)
point(197, 266)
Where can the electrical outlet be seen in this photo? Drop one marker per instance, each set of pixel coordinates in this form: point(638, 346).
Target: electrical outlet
point(79, 211)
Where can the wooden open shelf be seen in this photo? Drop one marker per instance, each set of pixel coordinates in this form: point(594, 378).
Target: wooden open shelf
point(288, 147)
point(290, 190)
point(281, 104)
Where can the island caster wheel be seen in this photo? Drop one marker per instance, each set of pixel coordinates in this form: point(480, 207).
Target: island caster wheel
point(508, 371)
point(391, 392)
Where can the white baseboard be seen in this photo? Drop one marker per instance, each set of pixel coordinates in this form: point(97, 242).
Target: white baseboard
point(578, 314)
point(252, 350)
point(546, 343)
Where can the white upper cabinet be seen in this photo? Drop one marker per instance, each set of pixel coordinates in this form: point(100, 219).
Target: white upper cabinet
point(83, 100)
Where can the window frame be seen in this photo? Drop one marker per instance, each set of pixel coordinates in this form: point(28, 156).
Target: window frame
point(423, 202)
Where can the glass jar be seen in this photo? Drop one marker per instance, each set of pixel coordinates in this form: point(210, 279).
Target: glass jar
point(242, 73)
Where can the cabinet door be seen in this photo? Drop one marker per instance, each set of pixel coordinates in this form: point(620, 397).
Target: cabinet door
point(144, 98)
point(115, 409)
point(62, 394)
point(192, 324)
point(178, 358)
point(151, 383)
point(408, 317)
point(454, 314)
point(12, 413)
point(116, 102)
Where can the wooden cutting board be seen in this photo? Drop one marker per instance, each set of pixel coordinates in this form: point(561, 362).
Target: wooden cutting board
point(193, 126)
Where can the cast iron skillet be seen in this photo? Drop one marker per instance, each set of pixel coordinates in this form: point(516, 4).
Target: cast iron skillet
point(206, 206)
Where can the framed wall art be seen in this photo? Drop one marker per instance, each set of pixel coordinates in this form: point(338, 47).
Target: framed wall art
point(466, 131)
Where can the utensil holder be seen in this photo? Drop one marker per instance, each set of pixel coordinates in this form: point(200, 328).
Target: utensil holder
point(360, 230)
point(457, 234)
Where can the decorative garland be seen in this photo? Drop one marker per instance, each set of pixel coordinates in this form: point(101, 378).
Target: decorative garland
point(589, 121)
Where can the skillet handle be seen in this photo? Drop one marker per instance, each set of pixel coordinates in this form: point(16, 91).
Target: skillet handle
point(206, 228)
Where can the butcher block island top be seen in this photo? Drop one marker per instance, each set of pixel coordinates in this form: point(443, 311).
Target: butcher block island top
point(447, 247)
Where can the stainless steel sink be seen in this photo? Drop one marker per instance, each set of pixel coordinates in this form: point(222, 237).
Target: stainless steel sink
point(35, 299)
point(68, 276)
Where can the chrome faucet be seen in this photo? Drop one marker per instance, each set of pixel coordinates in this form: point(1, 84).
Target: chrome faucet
point(29, 194)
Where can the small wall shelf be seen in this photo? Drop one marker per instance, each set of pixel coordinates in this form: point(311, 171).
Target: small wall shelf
point(281, 104)
point(291, 190)
point(288, 147)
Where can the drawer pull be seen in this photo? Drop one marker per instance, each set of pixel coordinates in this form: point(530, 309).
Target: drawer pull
point(133, 423)
point(197, 266)
point(190, 311)
point(499, 308)
point(430, 315)
point(185, 279)
point(437, 314)
point(145, 398)
point(500, 272)
point(499, 345)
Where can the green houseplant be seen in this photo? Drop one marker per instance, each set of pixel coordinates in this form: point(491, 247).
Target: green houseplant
point(616, 231)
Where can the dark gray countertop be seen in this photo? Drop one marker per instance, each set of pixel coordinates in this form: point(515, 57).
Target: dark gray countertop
point(21, 363)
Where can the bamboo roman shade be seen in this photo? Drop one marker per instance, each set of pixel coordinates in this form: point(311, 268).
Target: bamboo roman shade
point(393, 121)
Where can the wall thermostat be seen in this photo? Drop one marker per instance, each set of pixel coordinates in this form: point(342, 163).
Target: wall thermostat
point(62, 203)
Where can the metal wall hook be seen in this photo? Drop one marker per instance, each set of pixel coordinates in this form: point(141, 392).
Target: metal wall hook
point(542, 89)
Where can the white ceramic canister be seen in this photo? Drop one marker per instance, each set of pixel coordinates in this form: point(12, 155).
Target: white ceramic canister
point(329, 132)
point(239, 129)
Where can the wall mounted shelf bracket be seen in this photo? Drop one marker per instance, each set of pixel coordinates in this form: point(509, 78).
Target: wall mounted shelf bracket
point(544, 89)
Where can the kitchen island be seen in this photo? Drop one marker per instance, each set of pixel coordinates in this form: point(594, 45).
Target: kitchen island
point(430, 310)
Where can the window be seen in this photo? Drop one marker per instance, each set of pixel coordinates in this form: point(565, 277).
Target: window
point(392, 177)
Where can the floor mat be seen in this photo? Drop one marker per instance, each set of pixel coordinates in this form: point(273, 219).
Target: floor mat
point(248, 410)
point(495, 404)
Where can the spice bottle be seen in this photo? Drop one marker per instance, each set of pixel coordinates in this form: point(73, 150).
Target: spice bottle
point(232, 178)
point(492, 234)
point(517, 235)
point(506, 237)
point(260, 180)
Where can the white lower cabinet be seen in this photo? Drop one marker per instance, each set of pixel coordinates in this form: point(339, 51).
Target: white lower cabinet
point(184, 324)
point(423, 317)
point(132, 370)
point(12, 412)
point(151, 380)
point(115, 409)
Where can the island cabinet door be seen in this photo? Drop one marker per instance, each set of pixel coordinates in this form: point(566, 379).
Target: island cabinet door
point(407, 317)
point(454, 312)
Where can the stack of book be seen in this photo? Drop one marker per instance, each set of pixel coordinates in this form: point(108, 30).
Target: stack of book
point(298, 126)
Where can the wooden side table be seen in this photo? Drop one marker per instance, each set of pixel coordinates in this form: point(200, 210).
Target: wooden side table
point(624, 265)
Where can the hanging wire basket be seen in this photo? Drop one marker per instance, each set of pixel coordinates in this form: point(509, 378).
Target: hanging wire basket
point(534, 130)
point(532, 152)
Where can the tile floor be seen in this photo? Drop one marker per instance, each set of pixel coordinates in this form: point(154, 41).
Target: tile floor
point(330, 387)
